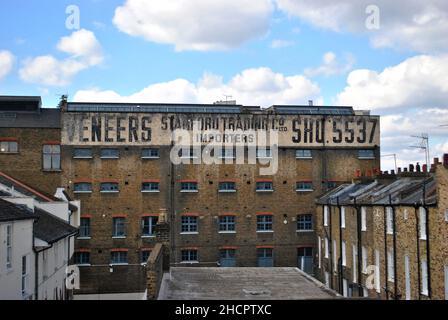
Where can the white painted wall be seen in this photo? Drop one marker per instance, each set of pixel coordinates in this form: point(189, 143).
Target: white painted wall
point(22, 245)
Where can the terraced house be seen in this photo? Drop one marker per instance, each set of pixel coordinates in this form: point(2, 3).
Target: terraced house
point(386, 237)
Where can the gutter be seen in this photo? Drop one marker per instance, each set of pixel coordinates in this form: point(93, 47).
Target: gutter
point(428, 256)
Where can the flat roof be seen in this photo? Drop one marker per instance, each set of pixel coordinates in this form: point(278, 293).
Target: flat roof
point(191, 283)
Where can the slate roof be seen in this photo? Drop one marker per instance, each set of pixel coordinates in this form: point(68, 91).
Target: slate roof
point(25, 189)
point(50, 228)
point(13, 212)
point(400, 191)
point(45, 118)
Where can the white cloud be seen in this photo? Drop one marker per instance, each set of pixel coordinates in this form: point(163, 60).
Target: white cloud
point(416, 25)
point(84, 50)
point(195, 24)
point(279, 43)
point(418, 82)
point(6, 63)
point(330, 66)
point(259, 86)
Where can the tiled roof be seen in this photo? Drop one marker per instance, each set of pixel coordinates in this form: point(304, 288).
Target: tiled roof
point(50, 228)
point(13, 212)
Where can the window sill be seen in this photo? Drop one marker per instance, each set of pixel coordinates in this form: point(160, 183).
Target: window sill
point(425, 293)
point(264, 191)
point(81, 192)
point(109, 191)
point(84, 265)
point(119, 264)
point(150, 158)
point(226, 232)
point(150, 191)
point(148, 237)
point(109, 158)
point(189, 233)
point(304, 231)
point(52, 170)
point(304, 190)
point(190, 262)
point(119, 237)
point(227, 191)
point(304, 158)
point(265, 231)
point(82, 158)
point(189, 158)
point(83, 238)
point(189, 191)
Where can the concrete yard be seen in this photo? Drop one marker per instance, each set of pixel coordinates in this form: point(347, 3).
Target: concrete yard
point(241, 284)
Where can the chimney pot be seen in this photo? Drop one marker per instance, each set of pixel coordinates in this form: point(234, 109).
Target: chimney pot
point(405, 169)
point(399, 169)
point(411, 168)
point(445, 159)
point(392, 172)
point(418, 168)
point(425, 168)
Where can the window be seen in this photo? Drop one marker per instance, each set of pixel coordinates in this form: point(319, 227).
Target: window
point(422, 218)
point(390, 266)
point(148, 224)
point(110, 187)
point(264, 153)
point(355, 263)
point(343, 217)
point(345, 288)
point(389, 220)
point(331, 184)
point(304, 154)
point(82, 153)
point(25, 276)
point(189, 224)
point(84, 228)
point(119, 227)
point(82, 187)
point(82, 258)
point(264, 186)
point(304, 186)
point(344, 254)
point(189, 255)
point(327, 279)
point(227, 224)
point(227, 257)
point(9, 147)
point(327, 248)
point(319, 251)
point(227, 153)
point(364, 259)
point(188, 153)
point(264, 223)
point(150, 153)
point(51, 157)
point(189, 187)
point(325, 216)
point(227, 187)
point(366, 154)
point(144, 256)
point(377, 271)
point(9, 246)
point(424, 268)
point(150, 187)
point(110, 154)
point(363, 219)
point(305, 222)
point(335, 259)
point(119, 257)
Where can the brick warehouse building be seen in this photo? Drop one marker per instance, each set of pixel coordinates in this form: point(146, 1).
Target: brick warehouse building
point(395, 224)
point(115, 158)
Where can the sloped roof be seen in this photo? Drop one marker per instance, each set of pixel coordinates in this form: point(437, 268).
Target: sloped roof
point(12, 212)
point(50, 228)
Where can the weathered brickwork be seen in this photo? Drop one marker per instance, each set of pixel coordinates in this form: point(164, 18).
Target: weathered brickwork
point(401, 276)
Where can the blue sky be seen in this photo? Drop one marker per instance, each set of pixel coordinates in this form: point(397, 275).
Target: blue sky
point(259, 51)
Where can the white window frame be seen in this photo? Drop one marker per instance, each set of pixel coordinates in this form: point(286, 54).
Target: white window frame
point(326, 209)
point(343, 217)
point(424, 279)
point(344, 253)
point(319, 251)
point(327, 245)
point(335, 259)
point(25, 277)
point(327, 279)
point(390, 266)
point(363, 219)
point(377, 271)
point(422, 222)
point(364, 259)
point(389, 221)
point(355, 263)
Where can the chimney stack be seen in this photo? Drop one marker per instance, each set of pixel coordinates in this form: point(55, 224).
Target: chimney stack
point(445, 160)
point(418, 168)
point(411, 168)
point(310, 103)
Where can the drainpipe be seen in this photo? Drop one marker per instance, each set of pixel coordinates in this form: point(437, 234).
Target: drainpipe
point(36, 267)
point(417, 230)
point(172, 222)
point(395, 248)
point(340, 270)
point(359, 240)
